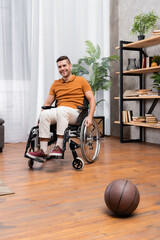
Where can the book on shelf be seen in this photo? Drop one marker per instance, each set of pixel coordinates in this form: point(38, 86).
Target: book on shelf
point(156, 31)
point(148, 62)
point(130, 93)
point(127, 116)
point(153, 93)
point(144, 62)
point(150, 118)
point(143, 91)
point(139, 119)
point(138, 92)
point(149, 114)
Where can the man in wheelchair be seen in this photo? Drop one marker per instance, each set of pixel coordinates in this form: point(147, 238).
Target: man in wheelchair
point(69, 93)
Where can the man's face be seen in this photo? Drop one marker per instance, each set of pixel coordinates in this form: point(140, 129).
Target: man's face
point(64, 68)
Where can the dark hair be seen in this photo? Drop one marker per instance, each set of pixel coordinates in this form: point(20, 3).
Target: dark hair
point(63, 58)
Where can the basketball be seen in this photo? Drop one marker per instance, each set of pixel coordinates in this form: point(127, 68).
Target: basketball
point(122, 197)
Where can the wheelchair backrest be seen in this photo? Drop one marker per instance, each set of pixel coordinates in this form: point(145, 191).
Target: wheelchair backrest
point(84, 112)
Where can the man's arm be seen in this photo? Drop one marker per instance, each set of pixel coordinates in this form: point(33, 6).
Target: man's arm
point(92, 102)
point(50, 99)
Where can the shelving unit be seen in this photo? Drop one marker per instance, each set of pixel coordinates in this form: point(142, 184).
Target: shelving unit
point(141, 71)
point(140, 124)
point(136, 46)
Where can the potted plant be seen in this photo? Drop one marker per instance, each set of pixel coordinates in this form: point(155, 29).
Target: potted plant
point(155, 61)
point(96, 71)
point(156, 82)
point(143, 23)
point(95, 68)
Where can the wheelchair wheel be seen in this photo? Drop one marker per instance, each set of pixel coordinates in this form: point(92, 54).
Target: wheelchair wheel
point(89, 141)
point(30, 163)
point(78, 163)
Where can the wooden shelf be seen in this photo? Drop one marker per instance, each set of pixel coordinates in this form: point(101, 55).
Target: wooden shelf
point(140, 124)
point(137, 46)
point(153, 40)
point(142, 70)
point(140, 97)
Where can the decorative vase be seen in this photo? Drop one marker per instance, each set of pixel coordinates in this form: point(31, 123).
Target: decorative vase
point(131, 64)
point(141, 37)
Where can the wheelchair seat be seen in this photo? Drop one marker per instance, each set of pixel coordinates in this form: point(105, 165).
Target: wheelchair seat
point(89, 140)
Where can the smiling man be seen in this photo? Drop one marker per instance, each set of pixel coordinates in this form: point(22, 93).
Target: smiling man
point(69, 92)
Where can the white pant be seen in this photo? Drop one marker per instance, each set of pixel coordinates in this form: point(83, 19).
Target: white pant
point(61, 115)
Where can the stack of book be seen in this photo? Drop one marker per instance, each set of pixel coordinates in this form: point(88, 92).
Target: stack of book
point(150, 118)
point(130, 93)
point(143, 91)
point(156, 32)
point(138, 92)
point(126, 116)
point(139, 119)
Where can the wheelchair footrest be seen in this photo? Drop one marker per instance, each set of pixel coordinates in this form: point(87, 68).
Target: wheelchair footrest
point(54, 157)
point(39, 160)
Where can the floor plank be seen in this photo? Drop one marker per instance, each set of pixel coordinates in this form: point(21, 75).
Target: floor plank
point(54, 201)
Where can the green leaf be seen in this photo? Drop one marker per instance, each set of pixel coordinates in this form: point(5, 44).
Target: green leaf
point(98, 52)
point(156, 82)
point(95, 67)
point(79, 70)
point(90, 49)
point(98, 102)
point(144, 22)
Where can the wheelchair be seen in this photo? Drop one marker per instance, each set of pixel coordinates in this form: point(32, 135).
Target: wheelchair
point(88, 140)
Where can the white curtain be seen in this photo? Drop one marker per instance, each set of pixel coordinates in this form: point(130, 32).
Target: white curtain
point(33, 34)
point(15, 18)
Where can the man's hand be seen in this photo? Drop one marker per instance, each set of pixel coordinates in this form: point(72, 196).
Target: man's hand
point(92, 102)
point(88, 121)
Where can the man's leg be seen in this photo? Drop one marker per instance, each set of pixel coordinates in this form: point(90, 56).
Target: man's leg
point(65, 115)
point(62, 116)
point(47, 117)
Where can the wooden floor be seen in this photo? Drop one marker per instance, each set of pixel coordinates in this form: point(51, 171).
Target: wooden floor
point(55, 202)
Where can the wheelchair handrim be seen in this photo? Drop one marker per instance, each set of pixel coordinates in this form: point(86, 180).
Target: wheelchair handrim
point(87, 142)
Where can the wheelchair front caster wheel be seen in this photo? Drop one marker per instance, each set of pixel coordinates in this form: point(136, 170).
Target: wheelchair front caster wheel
point(30, 163)
point(78, 163)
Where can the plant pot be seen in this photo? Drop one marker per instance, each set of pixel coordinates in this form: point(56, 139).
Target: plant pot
point(159, 92)
point(154, 64)
point(141, 37)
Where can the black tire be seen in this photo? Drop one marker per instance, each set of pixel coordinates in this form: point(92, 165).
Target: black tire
point(78, 163)
point(90, 141)
point(30, 163)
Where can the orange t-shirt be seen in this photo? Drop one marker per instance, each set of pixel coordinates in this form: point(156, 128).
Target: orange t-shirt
point(70, 94)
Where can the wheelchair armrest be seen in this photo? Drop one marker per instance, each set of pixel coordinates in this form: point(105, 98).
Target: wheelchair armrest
point(82, 107)
point(47, 107)
point(82, 115)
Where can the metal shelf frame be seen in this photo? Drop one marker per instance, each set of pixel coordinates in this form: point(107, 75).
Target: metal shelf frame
point(141, 53)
